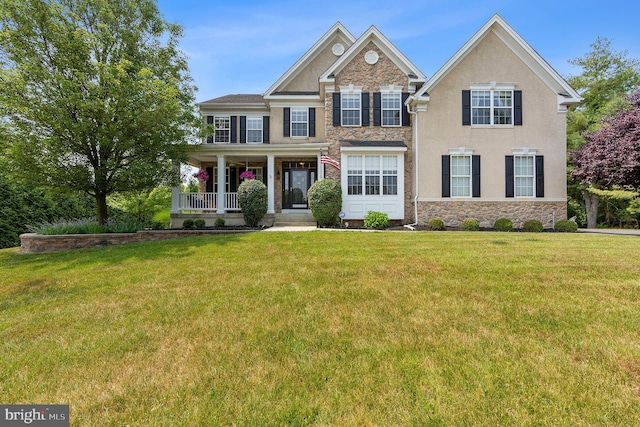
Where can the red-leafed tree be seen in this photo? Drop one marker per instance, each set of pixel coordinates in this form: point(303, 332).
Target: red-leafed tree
point(611, 156)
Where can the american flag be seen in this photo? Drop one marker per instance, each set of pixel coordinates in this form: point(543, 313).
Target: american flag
point(329, 161)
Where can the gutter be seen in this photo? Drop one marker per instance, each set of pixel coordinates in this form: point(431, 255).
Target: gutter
point(416, 174)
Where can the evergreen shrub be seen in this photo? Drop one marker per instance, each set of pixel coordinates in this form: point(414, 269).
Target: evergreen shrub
point(325, 202)
point(436, 224)
point(253, 199)
point(471, 224)
point(503, 224)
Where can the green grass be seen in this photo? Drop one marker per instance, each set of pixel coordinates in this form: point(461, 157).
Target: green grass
point(329, 328)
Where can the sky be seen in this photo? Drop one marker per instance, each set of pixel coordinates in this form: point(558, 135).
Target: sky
point(245, 46)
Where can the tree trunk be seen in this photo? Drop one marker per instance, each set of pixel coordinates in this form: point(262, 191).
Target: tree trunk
point(101, 206)
point(591, 203)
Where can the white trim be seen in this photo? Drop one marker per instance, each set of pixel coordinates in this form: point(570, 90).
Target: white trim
point(524, 151)
point(461, 151)
point(373, 150)
point(497, 200)
point(492, 86)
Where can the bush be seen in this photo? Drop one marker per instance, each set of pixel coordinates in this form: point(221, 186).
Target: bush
point(219, 222)
point(533, 225)
point(436, 224)
point(253, 199)
point(85, 226)
point(566, 226)
point(161, 219)
point(199, 223)
point(503, 224)
point(471, 224)
point(188, 223)
point(325, 202)
point(377, 220)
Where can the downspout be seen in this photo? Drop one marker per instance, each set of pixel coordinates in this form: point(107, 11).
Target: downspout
point(415, 167)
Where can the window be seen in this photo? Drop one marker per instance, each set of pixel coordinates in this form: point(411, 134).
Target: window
point(524, 175)
point(350, 105)
point(222, 124)
point(492, 107)
point(254, 129)
point(299, 122)
point(460, 176)
point(391, 109)
point(379, 175)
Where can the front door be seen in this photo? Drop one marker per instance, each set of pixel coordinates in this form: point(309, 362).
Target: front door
point(295, 185)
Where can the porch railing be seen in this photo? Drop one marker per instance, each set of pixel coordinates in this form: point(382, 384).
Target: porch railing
point(207, 202)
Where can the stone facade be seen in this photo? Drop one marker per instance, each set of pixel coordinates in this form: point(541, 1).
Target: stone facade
point(370, 77)
point(454, 212)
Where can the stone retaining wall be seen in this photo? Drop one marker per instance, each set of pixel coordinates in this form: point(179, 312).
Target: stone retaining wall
point(33, 243)
point(453, 213)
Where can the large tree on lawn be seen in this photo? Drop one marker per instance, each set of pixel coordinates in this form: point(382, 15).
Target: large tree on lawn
point(611, 156)
point(95, 95)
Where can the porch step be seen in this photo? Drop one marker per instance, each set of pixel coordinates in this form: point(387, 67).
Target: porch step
point(294, 220)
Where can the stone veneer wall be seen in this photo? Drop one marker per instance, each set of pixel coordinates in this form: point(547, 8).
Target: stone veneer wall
point(370, 78)
point(33, 243)
point(454, 212)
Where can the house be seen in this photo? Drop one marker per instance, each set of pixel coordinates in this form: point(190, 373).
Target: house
point(483, 137)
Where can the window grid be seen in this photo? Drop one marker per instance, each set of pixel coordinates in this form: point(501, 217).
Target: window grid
point(391, 105)
point(524, 176)
point(377, 170)
point(299, 122)
point(254, 129)
point(350, 104)
point(492, 107)
point(222, 125)
point(460, 176)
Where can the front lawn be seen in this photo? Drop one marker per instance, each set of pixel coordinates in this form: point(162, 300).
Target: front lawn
point(329, 328)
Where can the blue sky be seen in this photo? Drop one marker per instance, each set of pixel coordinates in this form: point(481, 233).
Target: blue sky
point(245, 46)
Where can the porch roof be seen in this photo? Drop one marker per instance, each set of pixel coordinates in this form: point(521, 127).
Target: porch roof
point(202, 153)
point(364, 143)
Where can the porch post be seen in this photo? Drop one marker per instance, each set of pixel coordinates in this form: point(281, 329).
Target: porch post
point(222, 184)
point(271, 195)
point(320, 169)
point(175, 190)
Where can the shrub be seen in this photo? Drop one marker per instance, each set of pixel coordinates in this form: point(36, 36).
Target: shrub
point(219, 222)
point(188, 223)
point(377, 220)
point(471, 224)
point(325, 202)
point(199, 223)
point(533, 225)
point(162, 219)
point(252, 196)
point(436, 224)
point(566, 226)
point(85, 226)
point(503, 224)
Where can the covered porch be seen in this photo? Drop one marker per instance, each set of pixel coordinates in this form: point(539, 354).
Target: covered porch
point(287, 170)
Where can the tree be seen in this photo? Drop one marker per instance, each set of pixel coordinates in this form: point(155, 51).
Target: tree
point(95, 93)
point(611, 156)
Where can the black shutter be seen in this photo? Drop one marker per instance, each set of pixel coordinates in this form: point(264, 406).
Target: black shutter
point(312, 122)
point(405, 113)
point(234, 126)
point(210, 122)
point(243, 129)
point(446, 176)
point(286, 122)
point(336, 109)
point(517, 107)
point(209, 184)
point(475, 176)
point(265, 129)
point(377, 109)
point(233, 176)
point(508, 176)
point(365, 108)
point(466, 107)
point(539, 176)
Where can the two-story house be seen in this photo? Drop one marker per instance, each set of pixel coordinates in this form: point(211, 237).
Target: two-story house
point(484, 137)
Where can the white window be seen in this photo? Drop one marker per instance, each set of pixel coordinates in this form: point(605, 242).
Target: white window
point(222, 124)
point(350, 105)
point(391, 109)
point(460, 176)
point(379, 175)
point(254, 129)
point(299, 122)
point(524, 175)
point(492, 107)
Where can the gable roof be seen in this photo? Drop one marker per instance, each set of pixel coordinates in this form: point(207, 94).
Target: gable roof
point(566, 94)
point(389, 49)
point(236, 99)
point(337, 30)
